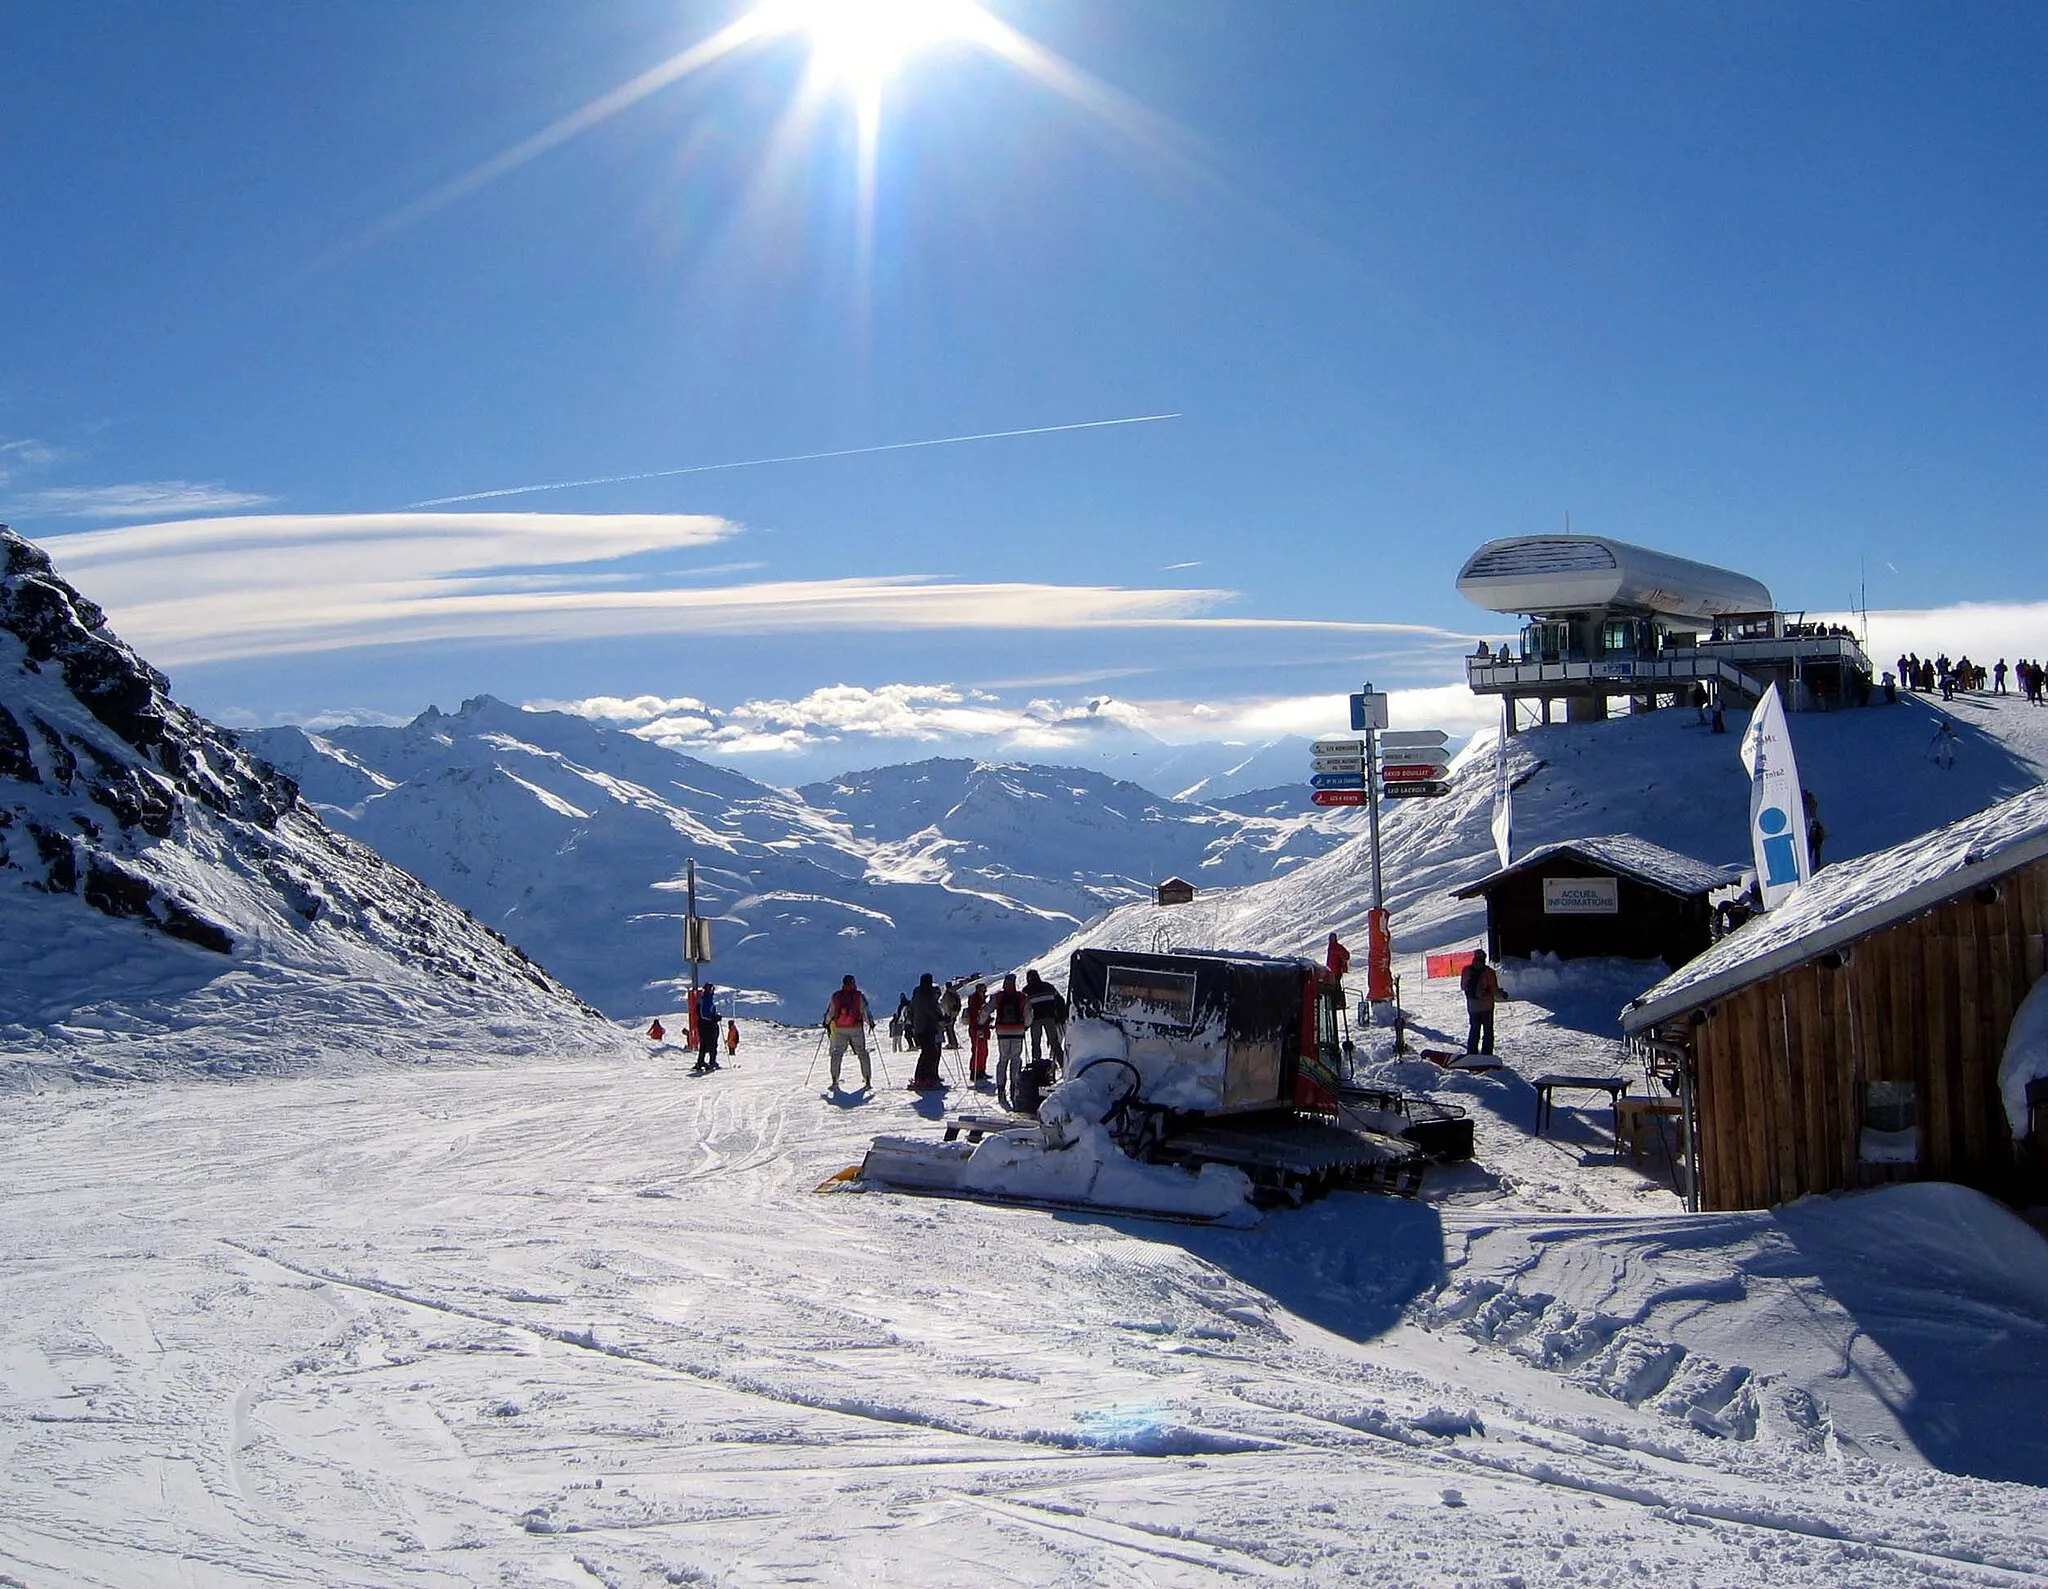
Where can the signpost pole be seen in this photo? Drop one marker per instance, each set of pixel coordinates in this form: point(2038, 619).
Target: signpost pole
point(1372, 794)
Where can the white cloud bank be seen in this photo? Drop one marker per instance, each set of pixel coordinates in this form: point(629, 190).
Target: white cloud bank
point(219, 589)
point(938, 714)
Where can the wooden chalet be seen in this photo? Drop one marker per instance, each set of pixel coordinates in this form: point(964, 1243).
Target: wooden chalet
point(1174, 891)
point(1614, 895)
point(1855, 1034)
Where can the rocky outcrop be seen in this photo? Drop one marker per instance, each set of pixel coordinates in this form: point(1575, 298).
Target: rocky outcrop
point(113, 794)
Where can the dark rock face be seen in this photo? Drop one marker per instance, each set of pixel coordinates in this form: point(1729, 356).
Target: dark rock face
point(138, 806)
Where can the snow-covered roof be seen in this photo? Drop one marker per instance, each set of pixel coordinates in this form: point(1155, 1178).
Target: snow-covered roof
point(1619, 852)
point(1851, 899)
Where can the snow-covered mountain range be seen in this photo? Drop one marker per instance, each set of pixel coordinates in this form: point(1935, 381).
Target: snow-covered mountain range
point(144, 852)
point(572, 838)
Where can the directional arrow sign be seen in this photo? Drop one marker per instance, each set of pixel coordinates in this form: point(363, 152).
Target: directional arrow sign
point(1414, 738)
point(1337, 747)
point(1414, 774)
point(1336, 764)
point(1414, 756)
point(1339, 797)
point(1414, 791)
point(1338, 780)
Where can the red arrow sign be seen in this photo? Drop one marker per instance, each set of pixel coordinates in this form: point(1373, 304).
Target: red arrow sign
point(1338, 797)
point(1411, 772)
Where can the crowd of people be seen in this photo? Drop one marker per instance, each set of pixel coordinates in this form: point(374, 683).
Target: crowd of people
point(1929, 674)
point(929, 1018)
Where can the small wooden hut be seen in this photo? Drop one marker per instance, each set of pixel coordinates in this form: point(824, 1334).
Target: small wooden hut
point(1613, 895)
point(1175, 891)
point(1855, 1034)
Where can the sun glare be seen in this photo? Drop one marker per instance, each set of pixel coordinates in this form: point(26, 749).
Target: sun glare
point(857, 45)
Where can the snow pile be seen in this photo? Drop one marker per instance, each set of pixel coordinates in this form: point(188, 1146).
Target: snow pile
point(1071, 1157)
point(1169, 1070)
point(2026, 1057)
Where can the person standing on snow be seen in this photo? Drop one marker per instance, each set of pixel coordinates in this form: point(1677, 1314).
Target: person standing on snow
point(949, 1012)
point(848, 1020)
point(927, 1027)
point(1336, 959)
point(1009, 1015)
point(1481, 988)
point(1048, 1014)
point(707, 1030)
point(732, 1039)
point(977, 1035)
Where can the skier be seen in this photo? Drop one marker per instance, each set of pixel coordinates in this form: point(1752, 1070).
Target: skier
point(707, 1030)
point(927, 1027)
point(848, 1020)
point(1009, 1016)
point(1943, 749)
point(977, 1035)
point(1337, 959)
point(1048, 1014)
point(899, 1023)
point(949, 1012)
point(732, 1039)
point(1481, 988)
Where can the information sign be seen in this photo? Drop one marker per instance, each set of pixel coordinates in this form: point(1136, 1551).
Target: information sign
point(1412, 774)
point(1336, 764)
point(1337, 747)
point(1341, 797)
point(1337, 780)
point(1415, 791)
point(1414, 738)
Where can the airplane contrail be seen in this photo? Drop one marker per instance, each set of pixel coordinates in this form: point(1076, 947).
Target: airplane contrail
point(795, 457)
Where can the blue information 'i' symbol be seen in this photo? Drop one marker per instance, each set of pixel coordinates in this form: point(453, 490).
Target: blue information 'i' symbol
point(1781, 860)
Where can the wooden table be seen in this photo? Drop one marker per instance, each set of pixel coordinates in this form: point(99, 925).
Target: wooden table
point(1613, 1086)
point(1630, 1113)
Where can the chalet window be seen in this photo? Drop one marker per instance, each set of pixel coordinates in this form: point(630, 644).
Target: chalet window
point(1891, 1124)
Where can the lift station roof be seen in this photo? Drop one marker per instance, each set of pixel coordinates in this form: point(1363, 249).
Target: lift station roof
point(1545, 574)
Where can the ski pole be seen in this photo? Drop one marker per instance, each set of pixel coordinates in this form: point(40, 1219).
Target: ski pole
point(884, 1063)
point(815, 1052)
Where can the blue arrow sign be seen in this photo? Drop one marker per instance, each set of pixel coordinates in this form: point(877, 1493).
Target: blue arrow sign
point(1337, 780)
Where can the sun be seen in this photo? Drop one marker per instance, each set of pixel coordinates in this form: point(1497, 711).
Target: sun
point(857, 45)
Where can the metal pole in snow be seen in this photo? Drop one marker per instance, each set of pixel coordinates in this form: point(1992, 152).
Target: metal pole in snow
point(1372, 793)
point(690, 925)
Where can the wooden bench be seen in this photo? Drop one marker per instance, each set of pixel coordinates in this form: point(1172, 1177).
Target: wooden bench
point(1613, 1086)
point(1631, 1114)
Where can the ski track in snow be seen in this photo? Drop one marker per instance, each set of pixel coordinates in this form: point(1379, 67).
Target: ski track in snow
point(582, 1319)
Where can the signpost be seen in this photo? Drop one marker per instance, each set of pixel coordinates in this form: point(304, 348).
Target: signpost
point(1412, 772)
point(1340, 797)
point(1415, 791)
point(1338, 780)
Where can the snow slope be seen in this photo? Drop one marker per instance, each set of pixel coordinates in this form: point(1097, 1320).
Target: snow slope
point(571, 838)
point(580, 1318)
point(157, 884)
point(1660, 776)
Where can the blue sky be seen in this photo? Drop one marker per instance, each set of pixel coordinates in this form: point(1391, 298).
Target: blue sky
point(1763, 285)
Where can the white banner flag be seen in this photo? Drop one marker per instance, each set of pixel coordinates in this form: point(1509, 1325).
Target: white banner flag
point(1777, 814)
point(1503, 803)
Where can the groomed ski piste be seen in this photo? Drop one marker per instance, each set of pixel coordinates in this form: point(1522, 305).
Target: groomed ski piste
point(579, 1316)
point(359, 1253)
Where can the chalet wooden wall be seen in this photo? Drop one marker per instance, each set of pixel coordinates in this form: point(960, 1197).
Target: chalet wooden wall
point(1782, 1064)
